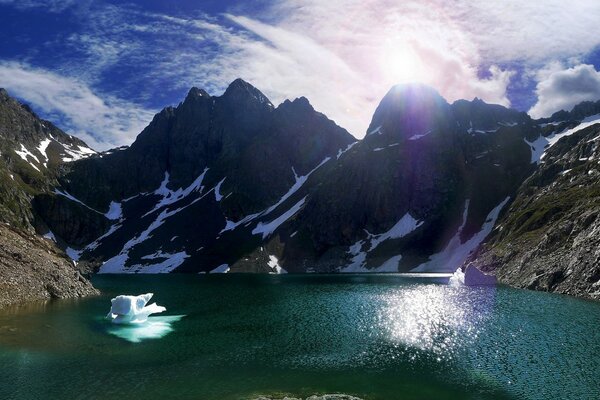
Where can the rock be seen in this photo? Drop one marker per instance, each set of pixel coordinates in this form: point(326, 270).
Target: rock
point(31, 268)
point(550, 233)
point(474, 277)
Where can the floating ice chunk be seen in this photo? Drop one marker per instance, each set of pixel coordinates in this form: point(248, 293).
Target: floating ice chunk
point(472, 277)
point(457, 278)
point(132, 309)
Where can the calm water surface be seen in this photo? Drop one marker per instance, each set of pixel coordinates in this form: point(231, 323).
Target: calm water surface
point(241, 336)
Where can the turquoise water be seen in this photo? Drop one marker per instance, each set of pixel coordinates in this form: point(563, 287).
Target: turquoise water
point(241, 336)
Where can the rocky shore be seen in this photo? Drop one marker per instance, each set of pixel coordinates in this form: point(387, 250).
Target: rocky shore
point(31, 268)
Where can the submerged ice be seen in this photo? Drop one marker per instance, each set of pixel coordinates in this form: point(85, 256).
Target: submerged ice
point(132, 309)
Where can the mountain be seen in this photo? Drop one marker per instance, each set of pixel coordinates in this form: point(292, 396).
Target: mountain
point(233, 183)
point(173, 196)
point(549, 239)
point(32, 152)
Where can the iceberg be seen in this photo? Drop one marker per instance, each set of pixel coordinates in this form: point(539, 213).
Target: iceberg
point(132, 309)
point(471, 277)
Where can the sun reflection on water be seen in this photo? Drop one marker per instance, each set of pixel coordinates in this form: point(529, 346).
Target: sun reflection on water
point(434, 319)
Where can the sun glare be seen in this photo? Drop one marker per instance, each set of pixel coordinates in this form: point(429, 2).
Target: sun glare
point(400, 63)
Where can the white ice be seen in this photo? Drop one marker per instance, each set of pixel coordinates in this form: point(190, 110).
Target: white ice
point(132, 309)
point(471, 277)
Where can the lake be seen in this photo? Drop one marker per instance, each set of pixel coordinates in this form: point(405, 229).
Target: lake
point(241, 336)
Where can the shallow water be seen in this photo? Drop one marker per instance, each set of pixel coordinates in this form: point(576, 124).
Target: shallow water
point(239, 336)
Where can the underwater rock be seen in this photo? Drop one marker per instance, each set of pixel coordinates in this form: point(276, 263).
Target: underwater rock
point(132, 309)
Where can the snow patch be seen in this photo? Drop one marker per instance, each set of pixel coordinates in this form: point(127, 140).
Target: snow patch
point(456, 252)
point(376, 131)
point(42, 149)
point(340, 151)
point(419, 136)
point(169, 263)
point(49, 235)
point(357, 262)
point(221, 269)
point(300, 180)
point(72, 198)
point(407, 224)
point(218, 195)
point(115, 211)
point(540, 146)
point(117, 263)
point(169, 196)
point(268, 228)
point(73, 254)
point(76, 152)
point(273, 263)
point(24, 153)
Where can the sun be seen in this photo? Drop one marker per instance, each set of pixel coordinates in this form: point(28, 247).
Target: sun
point(400, 63)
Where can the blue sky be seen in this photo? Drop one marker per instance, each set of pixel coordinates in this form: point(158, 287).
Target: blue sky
point(101, 69)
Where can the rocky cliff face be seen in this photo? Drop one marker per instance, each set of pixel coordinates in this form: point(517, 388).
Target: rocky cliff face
point(234, 183)
point(32, 152)
point(549, 239)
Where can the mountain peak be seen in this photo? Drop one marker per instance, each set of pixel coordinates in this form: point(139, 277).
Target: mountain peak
point(411, 108)
point(240, 89)
point(3, 93)
point(196, 92)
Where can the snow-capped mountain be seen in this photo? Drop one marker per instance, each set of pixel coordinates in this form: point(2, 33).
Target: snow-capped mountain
point(31, 151)
point(232, 183)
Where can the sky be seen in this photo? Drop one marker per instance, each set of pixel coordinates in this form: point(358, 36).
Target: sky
point(101, 69)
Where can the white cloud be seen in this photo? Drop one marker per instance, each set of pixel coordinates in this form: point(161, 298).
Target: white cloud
point(101, 122)
point(342, 54)
point(561, 89)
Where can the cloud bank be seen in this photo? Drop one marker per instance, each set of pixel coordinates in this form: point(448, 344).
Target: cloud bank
point(561, 89)
point(343, 55)
point(101, 122)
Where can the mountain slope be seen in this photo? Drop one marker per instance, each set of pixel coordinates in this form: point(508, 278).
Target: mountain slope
point(32, 152)
point(234, 183)
point(549, 238)
point(192, 172)
point(419, 179)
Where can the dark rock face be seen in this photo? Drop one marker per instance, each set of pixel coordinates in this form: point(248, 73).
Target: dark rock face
point(549, 238)
point(417, 161)
point(232, 181)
